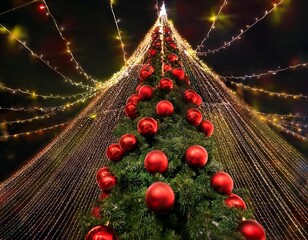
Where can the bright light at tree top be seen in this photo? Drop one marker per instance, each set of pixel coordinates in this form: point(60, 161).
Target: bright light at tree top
point(163, 11)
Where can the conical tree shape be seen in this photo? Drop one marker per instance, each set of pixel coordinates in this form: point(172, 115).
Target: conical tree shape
point(173, 152)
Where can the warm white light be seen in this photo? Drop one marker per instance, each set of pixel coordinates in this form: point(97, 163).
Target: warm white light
point(163, 11)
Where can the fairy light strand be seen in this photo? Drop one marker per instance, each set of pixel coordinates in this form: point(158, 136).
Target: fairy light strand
point(18, 7)
point(118, 30)
point(270, 93)
point(242, 31)
point(67, 44)
point(40, 57)
point(269, 72)
point(225, 3)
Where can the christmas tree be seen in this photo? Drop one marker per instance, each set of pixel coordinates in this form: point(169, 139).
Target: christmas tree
point(162, 181)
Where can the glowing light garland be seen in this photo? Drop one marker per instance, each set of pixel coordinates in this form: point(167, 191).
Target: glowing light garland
point(270, 93)
point(27, 120)
point(212, 26)
point(20, 6)
point(242, 31)
point(67, 44)
point(40, 57)
point(269, 72)
point(118, 30)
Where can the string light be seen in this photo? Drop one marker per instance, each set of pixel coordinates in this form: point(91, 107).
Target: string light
point(27, 120)
point(242, 31)
point(67, 44)
point(269, 72)
point(15, 135)
point(34, 94)
point(40, 57)
point(21, 6)
point(214, 20)
point(118, 30)
point(270, 93)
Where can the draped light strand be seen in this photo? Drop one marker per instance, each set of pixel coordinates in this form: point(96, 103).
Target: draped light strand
point(18, 7)
point(215, 18)
point(67, 44)
point(242, 32)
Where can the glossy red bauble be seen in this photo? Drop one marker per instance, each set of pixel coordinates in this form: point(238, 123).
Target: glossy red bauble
point(114, 152)
point(101, 233)
point(101, 173)
point(133, 99)
point(152, 52)
point(147, 126)
point(167, 67)
point(131, 111)
point(102, 196)
point(160, 197)
point(190, 96)
point(207, 128)
point(172, 57)
point(186, 80)
point(252, 230)
point(128, 142)
point(96, 212)
point(165, 84)
point(198, 101)
point(144, 74)
point(156, 162)
point(138, 87)
point(196, 156)
point(168, 39)
point(148, 67)
point(172, 45)
point(178, 73)
point(236, 201)
point(106, 181)
point(194, 116)
point(145, 92)
point(222, 183)
point(164, 108)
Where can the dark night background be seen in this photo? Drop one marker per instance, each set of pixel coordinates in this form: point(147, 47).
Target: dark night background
point(279, 40)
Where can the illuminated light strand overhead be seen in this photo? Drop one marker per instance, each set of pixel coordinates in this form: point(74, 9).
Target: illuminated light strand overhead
point(269, 72)
point(212, 26)
point(49, 109)
point(15, 135)
point(40, 57)
point(27, 120)
point(34, 94)
point(18, 7)
point(282, 116)
point(111, 2)
point(270, 93)
point(60, 30)
point(242, 31)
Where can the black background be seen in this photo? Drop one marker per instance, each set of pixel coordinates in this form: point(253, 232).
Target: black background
point(279, 40)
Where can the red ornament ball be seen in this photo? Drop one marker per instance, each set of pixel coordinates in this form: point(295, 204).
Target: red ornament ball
point(152, 52)
point(178, 73)
point(186, 80)
point(128, 142)
point(167, 67)
point(145, 92)
point(101, 173)
point(148, 67)
point(106, 181)
point(144, 74)
point(131, 111)
point(147, 126)
point(172, 45)
point(101, 233)
point(196, 156)
point(138, 87)
point(165, 84)
point(102, 196)
point(222, 183)
point(156, 162)
point(194, 116)
point(198, 101)
point(164, 108)
point(190, 96)
point(172, 57)
point(133, 99)
point(252, 230)
point(96, 212)
point(235, 201)
point(207, 128)
point(114, 152)
point(160, 197)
